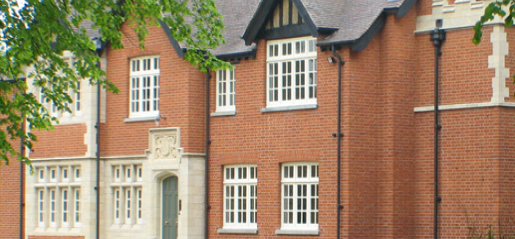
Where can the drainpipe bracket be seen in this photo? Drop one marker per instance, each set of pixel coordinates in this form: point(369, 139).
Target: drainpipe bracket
point(438, 199)
point(438, 126)
point(335, 134)
point(340, 207)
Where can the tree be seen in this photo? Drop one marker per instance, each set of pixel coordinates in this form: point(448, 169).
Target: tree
point(504, 9)
point(37, 32)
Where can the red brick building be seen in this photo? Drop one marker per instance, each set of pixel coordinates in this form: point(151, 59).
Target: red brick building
point(268, 131)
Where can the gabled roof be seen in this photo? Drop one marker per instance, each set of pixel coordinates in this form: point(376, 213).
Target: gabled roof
point(263, 13)
point(236, 17)
point(359, 20)
point(354, 22)
point(348, 22)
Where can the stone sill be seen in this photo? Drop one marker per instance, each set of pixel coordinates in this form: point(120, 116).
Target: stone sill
point(289, 108)
point(237, 231)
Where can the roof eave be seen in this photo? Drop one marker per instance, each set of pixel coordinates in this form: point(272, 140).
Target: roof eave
point(178, 49)
point(360, 43)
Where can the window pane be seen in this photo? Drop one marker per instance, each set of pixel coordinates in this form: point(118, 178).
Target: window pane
point(240, 196)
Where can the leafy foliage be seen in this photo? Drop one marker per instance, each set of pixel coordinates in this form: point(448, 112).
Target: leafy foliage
point(504, 9)
point(36, 33)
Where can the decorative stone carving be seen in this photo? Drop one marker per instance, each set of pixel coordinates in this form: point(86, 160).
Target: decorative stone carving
point(164, 143)
point(166, 147)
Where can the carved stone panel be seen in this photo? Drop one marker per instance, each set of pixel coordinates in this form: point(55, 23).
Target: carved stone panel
point(164, 143)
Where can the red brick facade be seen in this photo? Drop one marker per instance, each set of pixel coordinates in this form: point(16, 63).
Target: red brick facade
point(10, 200)
point(387, 150)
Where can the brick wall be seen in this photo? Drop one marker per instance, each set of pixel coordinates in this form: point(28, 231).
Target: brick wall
point(10, 198)
point(387, 174)
point(63, 141)
point(182, 90)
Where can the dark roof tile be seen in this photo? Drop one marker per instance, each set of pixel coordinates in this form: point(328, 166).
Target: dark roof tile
point(352, 17)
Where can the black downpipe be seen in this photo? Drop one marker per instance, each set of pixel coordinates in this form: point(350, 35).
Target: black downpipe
point(437, 37)
point(22, 177)
point(339, 136)
point(97, 187)
point(206, 176)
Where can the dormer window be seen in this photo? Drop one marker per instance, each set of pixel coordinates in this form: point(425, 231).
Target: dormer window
point(291, 72)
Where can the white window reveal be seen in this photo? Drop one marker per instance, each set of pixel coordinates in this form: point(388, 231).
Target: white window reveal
point(41, 175)
point(53, 175)
point(139, 205)
point(299, 189)
point(58, 199)
point(144, 87)
point(76, 174)
point(77, 208)
point(64, 209)
point(53, 209)
point(64, 174)
point(128, 206)
point(292, 72)
point(117, 206)
point(41, 208)
point(225, 91)
point(77, 98)
point(127, 194)
point(240, 197)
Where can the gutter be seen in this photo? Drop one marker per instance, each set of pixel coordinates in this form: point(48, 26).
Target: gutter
point(339, 136)
point(22, 178)
point(99, 47)
point(206, 164)
point(437, 36)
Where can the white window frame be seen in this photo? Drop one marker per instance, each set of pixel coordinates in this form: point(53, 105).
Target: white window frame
point(128, 204)
point(41, 175)
point(41, 207)
point(76, 207)
point(243, 207)
point(139, 205)
point(65, 207)
point(74, 106)
point(117, 174)
point(53, 207)
point(117, 206)
point(293, 181)
point(56, 197)
point(144, 87)
point(127, 194)
point(226, 90)
point(77, 174)
point(53, 174)
point(77, 102)
point(128, 173)
point(139, 173)
point(65, 174)
point(282, 86)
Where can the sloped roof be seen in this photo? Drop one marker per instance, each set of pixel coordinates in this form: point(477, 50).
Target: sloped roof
point(236, 17)
point(351, 18)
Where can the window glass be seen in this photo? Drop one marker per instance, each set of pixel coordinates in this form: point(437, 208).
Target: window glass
point(225, 90)
point(291, 73)
point(240, 196)
point(144, 87)
point(299, 196)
